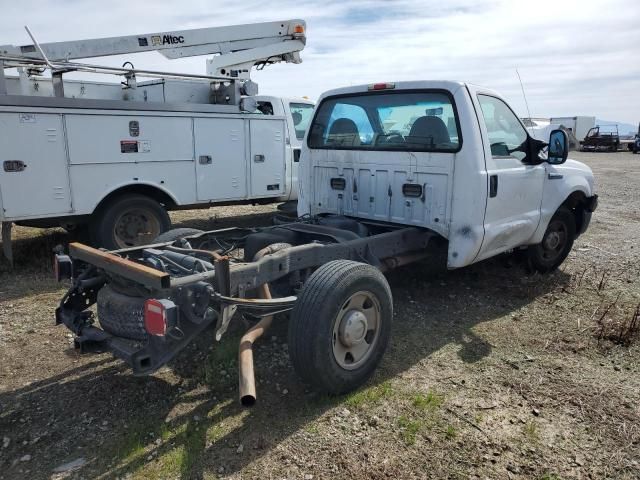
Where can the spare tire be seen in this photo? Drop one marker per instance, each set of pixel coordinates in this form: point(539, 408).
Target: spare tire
point(121, 315)
point(176, 234)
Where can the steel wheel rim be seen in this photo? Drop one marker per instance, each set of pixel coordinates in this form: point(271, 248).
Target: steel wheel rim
point(356, 330)
point(555, 240)
point(135, 226)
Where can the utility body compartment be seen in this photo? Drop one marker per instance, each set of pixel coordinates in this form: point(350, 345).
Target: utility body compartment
point(34, 165)
point(74, 158)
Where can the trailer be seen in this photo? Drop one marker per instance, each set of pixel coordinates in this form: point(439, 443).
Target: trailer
point(579, 125)
point(604, 138)
point(114, 158)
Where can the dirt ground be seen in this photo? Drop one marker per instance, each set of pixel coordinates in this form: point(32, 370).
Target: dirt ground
point(492, 373)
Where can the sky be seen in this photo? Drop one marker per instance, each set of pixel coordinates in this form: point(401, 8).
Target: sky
point(574, 57)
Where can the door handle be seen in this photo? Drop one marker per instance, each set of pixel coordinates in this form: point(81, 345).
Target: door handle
point(555, 176)
point(493, 186)
point(14, 165)
point(258, 158)
point(205, 160)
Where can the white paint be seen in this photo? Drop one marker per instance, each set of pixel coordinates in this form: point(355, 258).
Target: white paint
point(74, 157)
point(457, 185)
point(44, 182)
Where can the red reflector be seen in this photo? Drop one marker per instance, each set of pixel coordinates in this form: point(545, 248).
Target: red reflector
point(382, 86)
point(155, 317)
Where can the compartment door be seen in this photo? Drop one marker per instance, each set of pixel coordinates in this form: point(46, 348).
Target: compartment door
point(34, 178)
point(267, 157)
point(221, 164)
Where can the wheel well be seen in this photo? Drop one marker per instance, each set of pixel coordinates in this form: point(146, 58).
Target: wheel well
point(147, 190)
point(575, 202)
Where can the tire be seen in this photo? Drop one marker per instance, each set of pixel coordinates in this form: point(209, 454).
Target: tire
point(129, 221)
point(120, 314)
point(556, 242)
point(176, 234)
point(318, 326)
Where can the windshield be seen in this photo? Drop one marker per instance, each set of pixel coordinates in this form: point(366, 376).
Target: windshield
point(412, 121)
point(301, 113)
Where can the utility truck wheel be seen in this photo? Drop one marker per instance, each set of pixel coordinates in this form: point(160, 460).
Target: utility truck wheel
point(556, 243)
point(176, 234)
point(120, 314)
point(340, 326)
point(129, 221)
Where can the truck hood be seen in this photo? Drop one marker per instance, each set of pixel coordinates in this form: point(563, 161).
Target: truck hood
point(574, 167)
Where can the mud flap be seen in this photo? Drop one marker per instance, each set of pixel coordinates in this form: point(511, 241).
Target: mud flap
point(6, 241)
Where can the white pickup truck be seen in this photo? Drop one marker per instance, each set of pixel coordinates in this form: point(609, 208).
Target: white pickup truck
point(387, 171)
point(117, 156)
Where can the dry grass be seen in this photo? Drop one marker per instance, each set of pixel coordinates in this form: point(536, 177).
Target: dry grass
point(491, 373)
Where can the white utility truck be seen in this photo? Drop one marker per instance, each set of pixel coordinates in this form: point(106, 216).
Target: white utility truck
point(116, 157)
point(388, 173)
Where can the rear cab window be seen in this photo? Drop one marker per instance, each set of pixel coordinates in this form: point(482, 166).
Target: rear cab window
point(420, 121)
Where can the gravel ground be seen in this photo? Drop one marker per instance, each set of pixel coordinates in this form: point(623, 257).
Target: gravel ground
point(492, 373)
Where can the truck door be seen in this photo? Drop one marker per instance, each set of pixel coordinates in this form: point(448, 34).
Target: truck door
point(515, 188)
point(299, 114)
point(221, 165)
point(34, 176)
point(267, 162)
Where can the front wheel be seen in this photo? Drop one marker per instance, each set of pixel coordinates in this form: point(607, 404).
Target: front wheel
point(556, 243)
point(340, 326)
point(129, 221)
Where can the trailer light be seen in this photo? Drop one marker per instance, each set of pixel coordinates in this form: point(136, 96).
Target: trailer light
point(62, 267)
point(382, 86)
point(298, 29)
point(159, 316)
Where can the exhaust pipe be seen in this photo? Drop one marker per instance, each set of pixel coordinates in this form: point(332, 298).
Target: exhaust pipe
point(246, 373)
point(245, 355)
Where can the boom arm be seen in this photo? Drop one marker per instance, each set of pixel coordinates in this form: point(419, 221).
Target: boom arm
point(238, 47)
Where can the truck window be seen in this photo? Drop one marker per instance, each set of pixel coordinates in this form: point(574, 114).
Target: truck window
point(265, 108)
point(410, 121)
point(301, 113)
point(506, 133)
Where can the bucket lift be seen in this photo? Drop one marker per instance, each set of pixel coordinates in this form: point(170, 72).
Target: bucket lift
point(236, 49)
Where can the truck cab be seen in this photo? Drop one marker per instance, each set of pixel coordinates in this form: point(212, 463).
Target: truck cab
point(447, 156)
point(297, 112)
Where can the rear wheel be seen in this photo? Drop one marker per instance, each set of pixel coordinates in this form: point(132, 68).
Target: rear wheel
point(129, 221)
point(340, 326)
point(556, 243)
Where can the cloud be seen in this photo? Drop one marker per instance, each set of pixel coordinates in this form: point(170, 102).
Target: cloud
point(574, 57)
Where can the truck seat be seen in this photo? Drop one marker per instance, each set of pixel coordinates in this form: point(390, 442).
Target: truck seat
point(344, 131)
point(428, 131)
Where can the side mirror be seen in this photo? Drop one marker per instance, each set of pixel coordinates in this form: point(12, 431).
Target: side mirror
point(558, 147)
